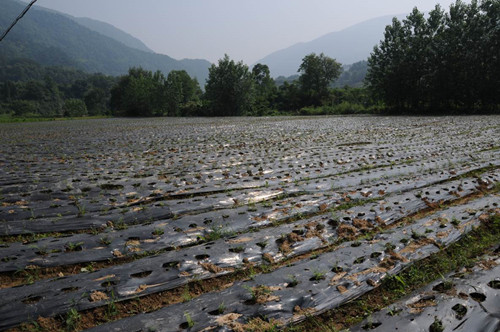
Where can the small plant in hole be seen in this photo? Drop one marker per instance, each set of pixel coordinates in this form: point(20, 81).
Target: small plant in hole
point(257, 292)
point(393, 311)
point(221, 308)
point(158, 232)
point(105, 240)
point(437, 326)
point(417, 236)
point(337, 269)
point(446, 285)
point(455, 222)
point(70, 246)
point(237, 249)
point(359, 260)
point(292, 281)
point(389, 247)
point(42, 250)
point(262, 244)
point(318, 275)
point(460, 310)
point(189, 320)
point(314, 256)
point(120, 224)
point(81, 209)
point(217, 232)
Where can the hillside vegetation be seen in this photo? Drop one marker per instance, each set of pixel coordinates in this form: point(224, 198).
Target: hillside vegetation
point(56, 40)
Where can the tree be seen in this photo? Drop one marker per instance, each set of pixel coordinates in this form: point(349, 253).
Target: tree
point(229, 89)
point(490, 48)
point(317, 72)
point(24, 107)
point(265, 88)
point(384, 77)
point(74, 107)
point(140, 93)
point(96, 100)
point(289, 97)
point(181, 89)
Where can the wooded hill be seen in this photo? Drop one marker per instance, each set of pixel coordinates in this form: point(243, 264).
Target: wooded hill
point(54, 39)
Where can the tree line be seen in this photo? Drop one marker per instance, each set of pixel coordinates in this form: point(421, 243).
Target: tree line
point(447, 63)
point(232, 89)
point(28, 89)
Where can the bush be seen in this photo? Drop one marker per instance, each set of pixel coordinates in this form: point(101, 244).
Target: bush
point(24, 107)
point(74, 108)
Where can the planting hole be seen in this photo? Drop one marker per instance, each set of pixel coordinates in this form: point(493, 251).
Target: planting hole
point(371, 326)
point(359, 260)
point(31, 299)
point(337, 269)
point(141, 274)
point(109, 283)
point(443, 287)
point(460, 310)
point(478, 297)
point(70, 289)
point(171, 264)
point(184, 326)
point(494, 284)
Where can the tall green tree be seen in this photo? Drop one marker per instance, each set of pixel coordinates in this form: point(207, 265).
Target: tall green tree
point(490, 48)
point(317, 73)
point(181, 89)
point(140, 93)
point(265, 88)
point(230, 89)
point(384, 77)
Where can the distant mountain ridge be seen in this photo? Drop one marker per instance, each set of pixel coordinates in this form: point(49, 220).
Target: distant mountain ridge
point(103, 28)
point(111, 31)
point(52, 38)
point(347, 46)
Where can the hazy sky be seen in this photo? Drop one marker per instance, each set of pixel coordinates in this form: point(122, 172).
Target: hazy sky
point(245, 30)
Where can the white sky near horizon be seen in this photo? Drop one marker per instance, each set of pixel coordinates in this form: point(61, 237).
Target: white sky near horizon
point(245, 30)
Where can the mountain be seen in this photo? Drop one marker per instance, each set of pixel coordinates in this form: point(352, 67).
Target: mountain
point(105, 29)
point(352, 75)
point(53, 39)
point(112, 32)
point(347, 46)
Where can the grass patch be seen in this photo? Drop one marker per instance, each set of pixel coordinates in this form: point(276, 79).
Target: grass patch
point(7, 118)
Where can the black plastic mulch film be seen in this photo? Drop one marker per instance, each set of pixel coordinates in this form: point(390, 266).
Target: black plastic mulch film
point(169, 191)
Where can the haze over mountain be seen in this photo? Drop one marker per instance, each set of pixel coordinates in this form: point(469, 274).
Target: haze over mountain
point(347, 46)
point(110, 31)
point(52, 38)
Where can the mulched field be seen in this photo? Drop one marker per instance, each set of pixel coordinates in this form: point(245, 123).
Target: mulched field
point(237, 223)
